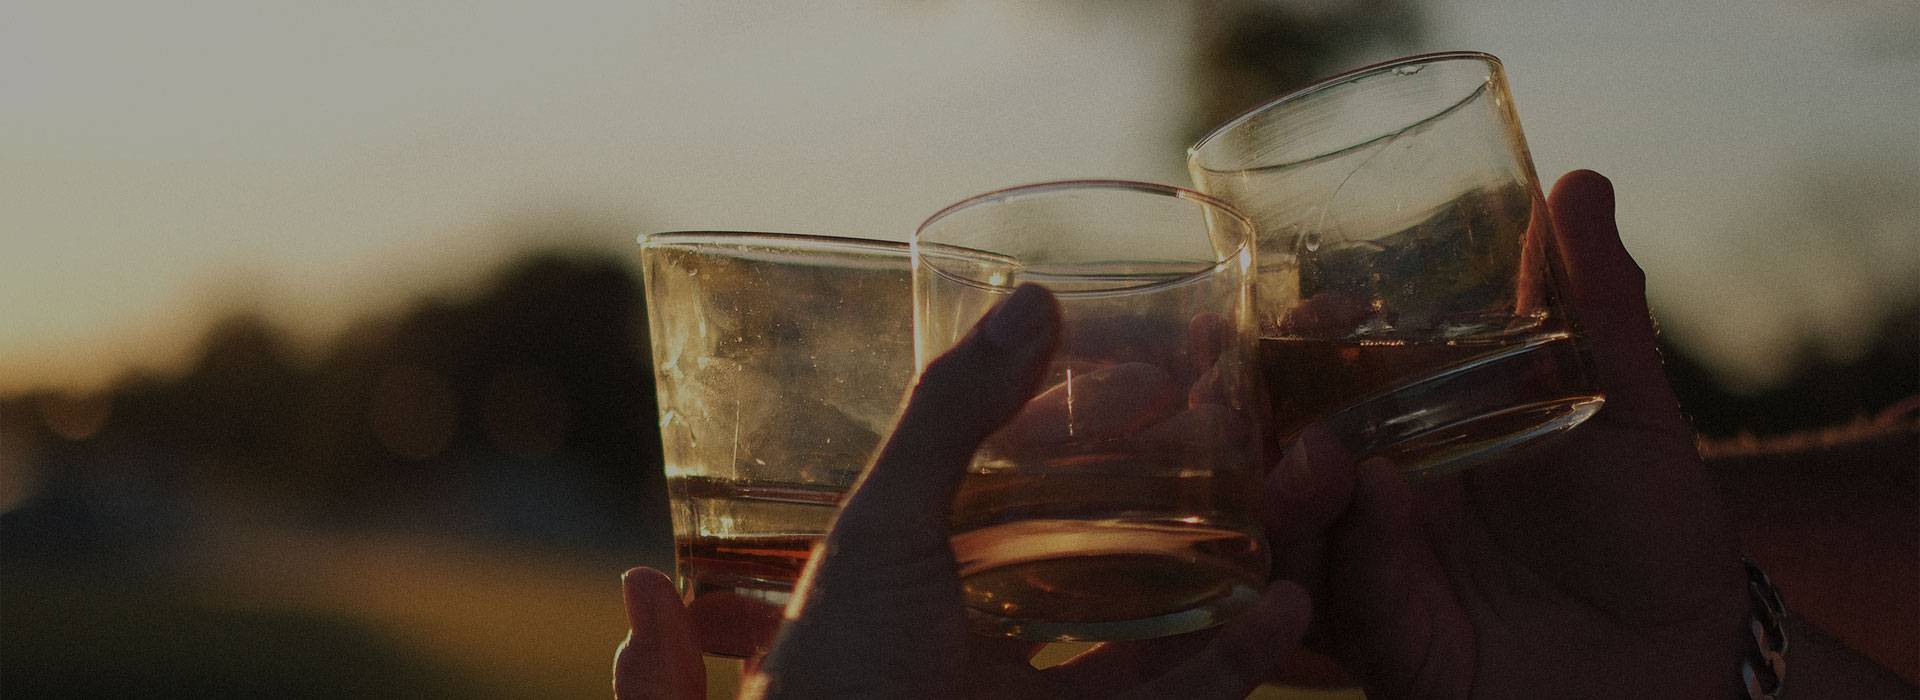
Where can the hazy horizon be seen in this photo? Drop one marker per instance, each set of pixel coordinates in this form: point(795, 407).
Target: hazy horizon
point(319, 164)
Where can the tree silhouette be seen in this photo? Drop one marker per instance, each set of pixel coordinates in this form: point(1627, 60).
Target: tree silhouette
point(523, 410)
point(1819, 392)
point(1251, 51)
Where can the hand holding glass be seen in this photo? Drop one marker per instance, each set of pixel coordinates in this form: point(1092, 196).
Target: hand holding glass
point(1407, 291)
point(1117, 504)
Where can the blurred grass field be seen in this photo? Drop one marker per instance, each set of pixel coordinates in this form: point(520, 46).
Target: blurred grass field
point(259, 613)
point(243, 611)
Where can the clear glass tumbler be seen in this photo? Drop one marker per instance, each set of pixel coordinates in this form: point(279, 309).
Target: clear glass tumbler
point(780, 361)
point(1117, 504)
point(1407, 272)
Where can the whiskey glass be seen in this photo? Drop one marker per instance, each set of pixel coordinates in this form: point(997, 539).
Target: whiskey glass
point(779, 361)
point(1117, 504)
point(1408, 292)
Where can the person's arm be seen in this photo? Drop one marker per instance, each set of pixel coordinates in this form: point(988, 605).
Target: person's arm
point(1819, 510)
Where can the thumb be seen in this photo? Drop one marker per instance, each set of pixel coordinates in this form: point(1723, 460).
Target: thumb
point(962, 397)
point(1606, 290)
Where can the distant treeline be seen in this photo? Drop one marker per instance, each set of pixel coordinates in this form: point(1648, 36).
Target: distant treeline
point(527, 410)
point(1816, 393)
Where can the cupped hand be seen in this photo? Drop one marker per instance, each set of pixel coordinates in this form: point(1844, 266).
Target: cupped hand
point(1596, 565)
point(879, 611)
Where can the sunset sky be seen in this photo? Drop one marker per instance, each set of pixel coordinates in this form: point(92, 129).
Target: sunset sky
point(165, 163)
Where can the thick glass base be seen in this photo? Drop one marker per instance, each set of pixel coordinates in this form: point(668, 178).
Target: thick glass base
point(1474, 411)
point(1108, 579)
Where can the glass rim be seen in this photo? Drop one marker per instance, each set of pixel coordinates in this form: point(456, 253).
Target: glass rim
point(1242, 248)
point(702, 239)
point(1193, 151)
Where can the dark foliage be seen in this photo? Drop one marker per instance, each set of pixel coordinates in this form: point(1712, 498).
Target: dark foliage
point(1819, 393)
point(524, 411)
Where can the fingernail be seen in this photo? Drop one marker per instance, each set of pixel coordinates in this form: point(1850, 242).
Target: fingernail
point(1020, 319)
point(643, 589)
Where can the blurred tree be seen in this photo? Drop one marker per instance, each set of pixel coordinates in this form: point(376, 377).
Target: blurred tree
point(1819, 391)
point(1252, 51)
point(465, 409)
point(239, 413)
point(524, 410)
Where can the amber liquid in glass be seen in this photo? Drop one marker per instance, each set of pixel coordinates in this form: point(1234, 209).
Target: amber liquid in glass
point(741, 545)
point(1105, 547)
point(772, 559)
